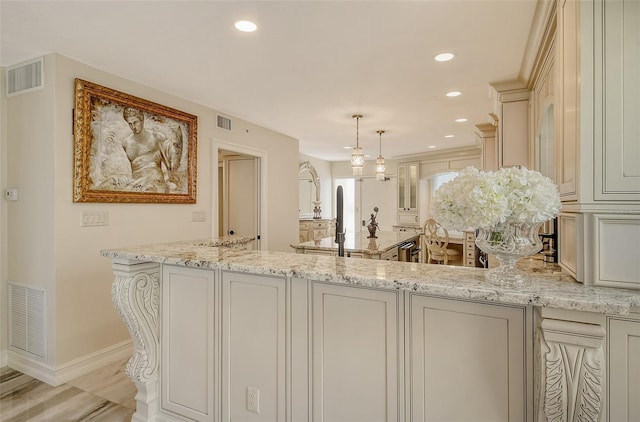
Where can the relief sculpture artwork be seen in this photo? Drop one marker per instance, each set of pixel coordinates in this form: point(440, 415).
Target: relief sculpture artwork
point(131, 150)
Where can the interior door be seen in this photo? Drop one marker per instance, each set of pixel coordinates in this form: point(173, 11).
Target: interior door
point(241, 194)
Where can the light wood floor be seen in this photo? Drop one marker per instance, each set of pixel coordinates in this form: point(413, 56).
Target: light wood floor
point(105, 395)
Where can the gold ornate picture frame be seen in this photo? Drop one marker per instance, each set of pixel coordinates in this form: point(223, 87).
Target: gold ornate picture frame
point(127, 149)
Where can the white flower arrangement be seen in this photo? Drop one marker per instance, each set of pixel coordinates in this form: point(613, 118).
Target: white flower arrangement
point(484, 199)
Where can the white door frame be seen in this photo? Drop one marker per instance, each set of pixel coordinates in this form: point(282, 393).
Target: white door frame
point(262, 243)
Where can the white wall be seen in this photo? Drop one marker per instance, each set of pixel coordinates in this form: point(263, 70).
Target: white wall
point(47, 246)
point(4, 316)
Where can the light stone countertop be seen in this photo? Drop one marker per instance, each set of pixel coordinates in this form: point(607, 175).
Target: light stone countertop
point(359, 242)
point(547, 288)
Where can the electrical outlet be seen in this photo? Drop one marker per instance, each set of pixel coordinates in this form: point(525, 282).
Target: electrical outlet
point(253, 399)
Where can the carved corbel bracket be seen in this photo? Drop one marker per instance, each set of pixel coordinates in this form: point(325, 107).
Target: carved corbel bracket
point(135, 294)
point(572, 371)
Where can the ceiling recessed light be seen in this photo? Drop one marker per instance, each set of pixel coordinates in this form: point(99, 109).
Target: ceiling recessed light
point(246, 26)
point(461, 120)
point(444, 57)
point(431, 146)
point(449, 136)
point(347, 147)
point(454, 93)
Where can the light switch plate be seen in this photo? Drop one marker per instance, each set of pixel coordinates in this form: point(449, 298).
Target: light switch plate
point(198, 216)
point(94, 218)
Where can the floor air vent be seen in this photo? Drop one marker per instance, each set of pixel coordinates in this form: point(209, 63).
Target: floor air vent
point(224, 123)
point(26, 319)
point(25, 77)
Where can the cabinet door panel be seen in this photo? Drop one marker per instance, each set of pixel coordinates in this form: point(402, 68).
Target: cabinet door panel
point(253, 346)
point(567, 122)
point(187, 349)
point(617, 89)
point(624, 371)
point(514, 148)
point(356, 360)
point(467, 361)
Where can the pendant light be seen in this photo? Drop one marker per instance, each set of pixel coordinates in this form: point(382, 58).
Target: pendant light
point(380, 167)
point(357, 157)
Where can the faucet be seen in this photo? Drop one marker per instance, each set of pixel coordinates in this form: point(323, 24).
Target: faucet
point(339, 222)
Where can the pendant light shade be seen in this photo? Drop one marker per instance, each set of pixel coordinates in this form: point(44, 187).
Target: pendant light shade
point(357, 157)
point(380, 167)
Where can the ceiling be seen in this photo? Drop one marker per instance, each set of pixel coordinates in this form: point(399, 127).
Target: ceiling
point(308, 68)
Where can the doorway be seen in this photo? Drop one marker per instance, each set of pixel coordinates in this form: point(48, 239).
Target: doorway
point(239, 210)
point(371, 193)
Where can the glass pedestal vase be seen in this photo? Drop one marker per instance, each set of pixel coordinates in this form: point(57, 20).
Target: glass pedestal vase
point(508, 242)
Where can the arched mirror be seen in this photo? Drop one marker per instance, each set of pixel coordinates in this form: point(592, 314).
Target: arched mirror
point(309, 191)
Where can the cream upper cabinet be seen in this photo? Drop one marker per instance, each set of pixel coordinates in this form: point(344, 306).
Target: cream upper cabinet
point(485, 135)
point(513, 136)
point(597, 125)
point(597, 149)
point(567, 121)
point(616, 104)
point(408, 175)
point(512, 108)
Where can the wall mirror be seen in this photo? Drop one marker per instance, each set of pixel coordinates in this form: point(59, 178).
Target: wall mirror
point(309, 191)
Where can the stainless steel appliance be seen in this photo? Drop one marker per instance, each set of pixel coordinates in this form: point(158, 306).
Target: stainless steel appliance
point(408, 251)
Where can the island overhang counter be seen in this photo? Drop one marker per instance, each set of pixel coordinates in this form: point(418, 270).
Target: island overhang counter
point(211, 325)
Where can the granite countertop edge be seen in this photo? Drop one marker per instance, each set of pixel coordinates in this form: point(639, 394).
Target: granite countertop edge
point(545, 290)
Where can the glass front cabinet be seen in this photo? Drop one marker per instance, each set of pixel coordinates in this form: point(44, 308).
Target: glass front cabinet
point(408, 193)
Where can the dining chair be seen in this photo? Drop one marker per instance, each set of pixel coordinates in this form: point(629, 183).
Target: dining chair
point(435, 240)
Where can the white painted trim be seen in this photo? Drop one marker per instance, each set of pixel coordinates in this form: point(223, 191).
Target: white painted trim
point(3, 358)
point(70, 370)
point(241, 149)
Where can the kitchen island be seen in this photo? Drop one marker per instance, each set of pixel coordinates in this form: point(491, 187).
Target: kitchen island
point(358, 245)
point(224, 333)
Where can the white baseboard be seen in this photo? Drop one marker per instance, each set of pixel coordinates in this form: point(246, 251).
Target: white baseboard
point(4, 358)
point(75, 368)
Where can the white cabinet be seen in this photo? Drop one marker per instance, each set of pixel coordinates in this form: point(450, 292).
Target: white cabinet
point(513, 133)
point(616, 126)
point(187, 370)
point(624, 367)
point(597, 151)
point(408, 175)
point(253, 351)
point(468, 361)
point(316, 350)
point(512, 108)
point(485, 135)
point(356, 356)
point(568, 107)
point(596, 124)
point(316, 229)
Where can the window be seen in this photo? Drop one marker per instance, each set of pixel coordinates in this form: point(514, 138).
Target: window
point(440, 179)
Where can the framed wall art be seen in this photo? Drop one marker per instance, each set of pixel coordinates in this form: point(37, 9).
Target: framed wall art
point(127, 149)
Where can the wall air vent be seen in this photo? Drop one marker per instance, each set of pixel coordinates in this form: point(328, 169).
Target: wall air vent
point(25, 77)
point(224, 123)
point(27, 319)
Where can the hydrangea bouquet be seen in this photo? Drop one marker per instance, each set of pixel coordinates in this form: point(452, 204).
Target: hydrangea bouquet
point(507, 207)
point(477, 199)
